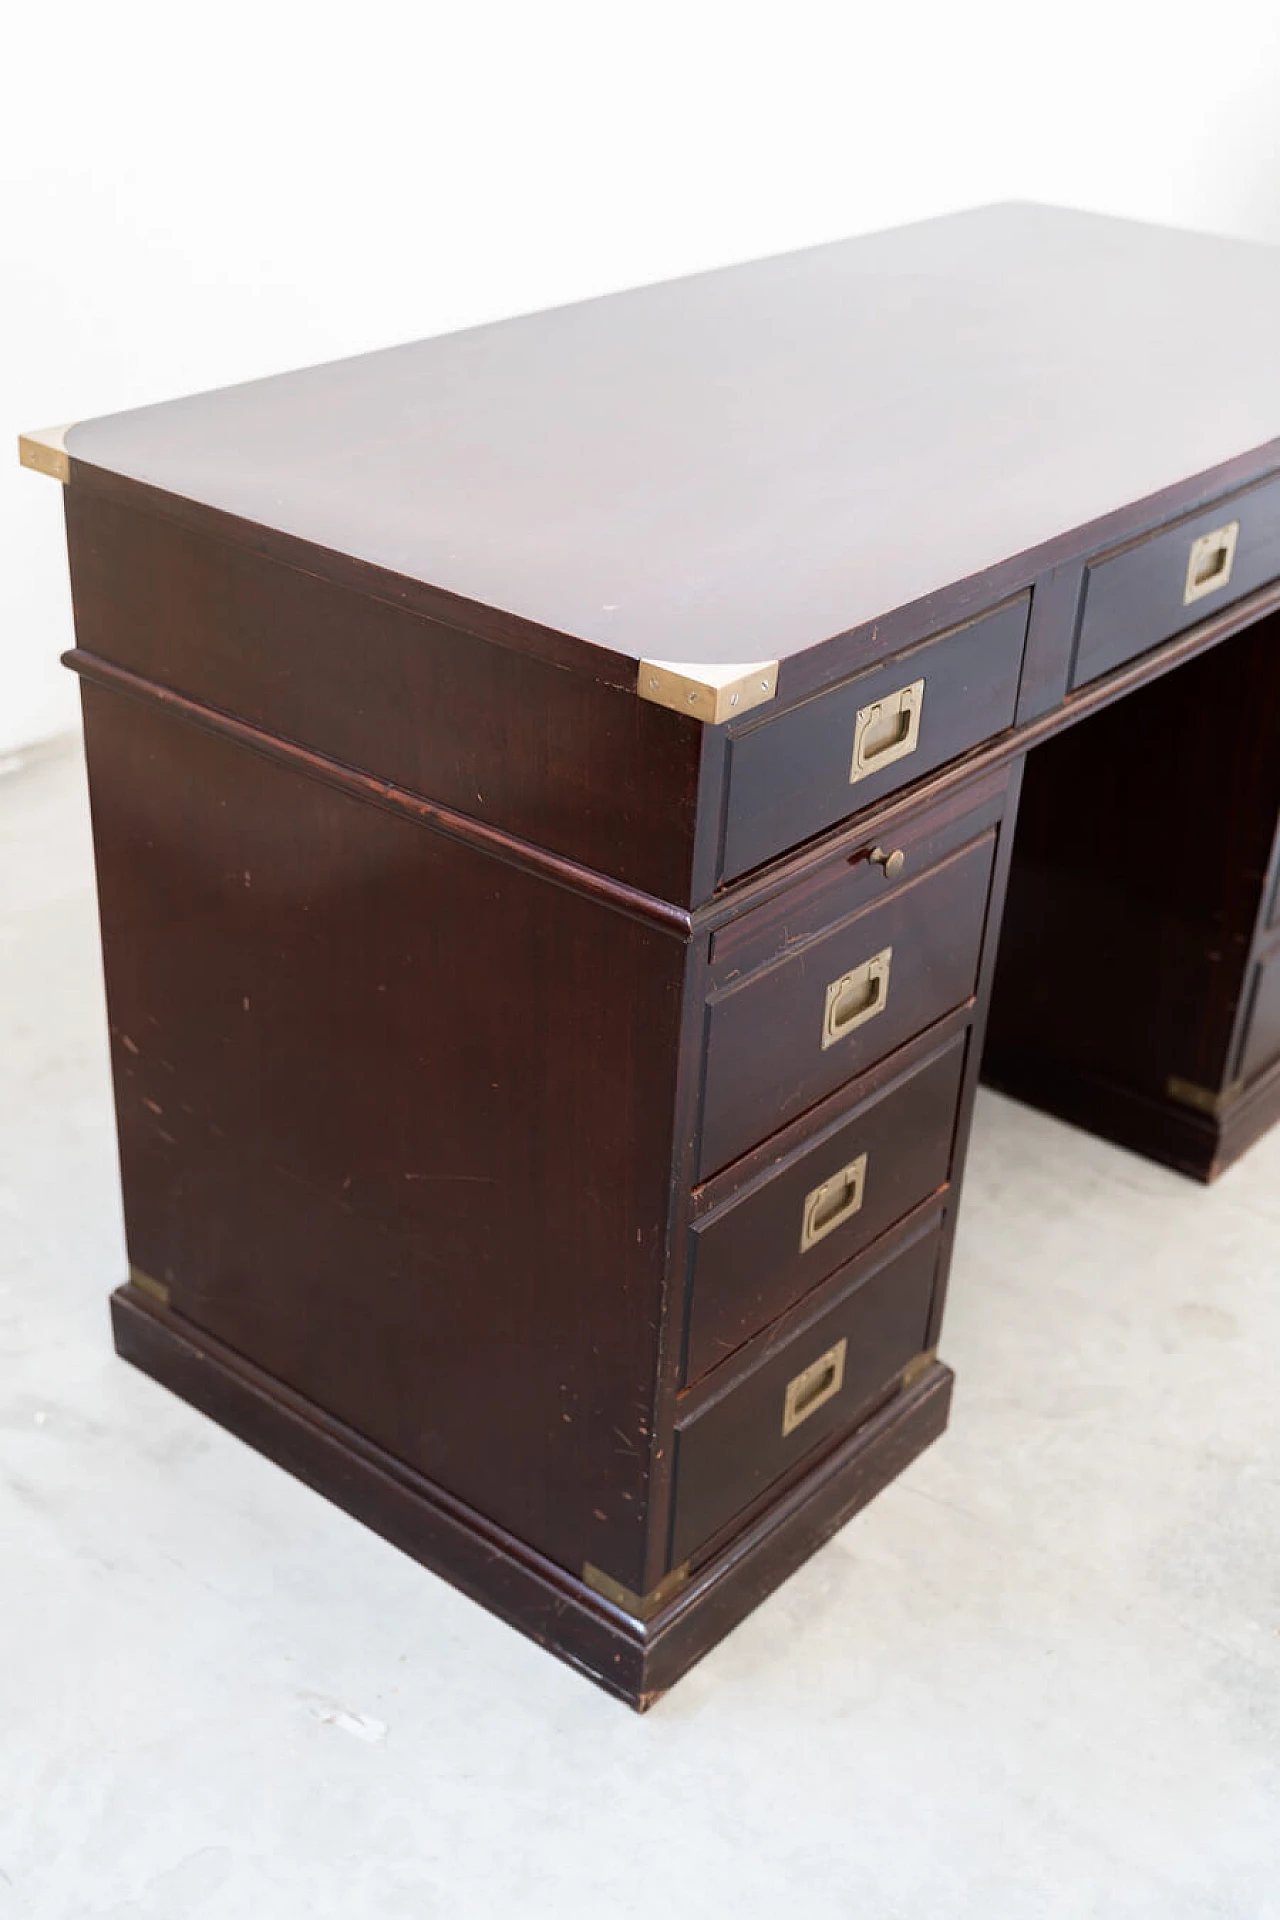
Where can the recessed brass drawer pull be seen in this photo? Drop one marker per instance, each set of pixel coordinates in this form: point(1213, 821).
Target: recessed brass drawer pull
point(1209, 562)
point(886, 731)
point(813, 1388)
point(834, 1202)
point(856, 997)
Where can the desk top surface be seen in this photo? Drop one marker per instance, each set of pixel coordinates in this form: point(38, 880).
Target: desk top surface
point(739, 465)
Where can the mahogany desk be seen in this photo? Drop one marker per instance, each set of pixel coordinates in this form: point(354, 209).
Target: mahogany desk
point(554, 793)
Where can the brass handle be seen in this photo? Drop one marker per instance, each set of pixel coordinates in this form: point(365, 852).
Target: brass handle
point(856, 997)
point(834, 1202)
point(892, 863)
point(1209, 562)
point(813, 1387)
point(886, 731)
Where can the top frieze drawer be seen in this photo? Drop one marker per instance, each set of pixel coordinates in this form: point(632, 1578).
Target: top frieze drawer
point(1138, 595)
point(803, 770)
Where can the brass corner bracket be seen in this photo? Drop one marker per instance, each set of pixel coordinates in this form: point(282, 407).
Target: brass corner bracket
point(1202, 1099)
point(154, 1289)
point(920, 1365)
point(709, 693)
point(641, 1606)
point(44, 450)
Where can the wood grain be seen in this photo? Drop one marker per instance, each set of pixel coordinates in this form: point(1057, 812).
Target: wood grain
point(390, 1112)
point(466, 1008)
point(746, 1263)
point(734, 1446)
point(635, 1661)
point(557, 759)
point(765, 1058)
point(1134, 599)
point(1138, 891)
point(1261, 1047)
point(745, 464)
point(789, 775)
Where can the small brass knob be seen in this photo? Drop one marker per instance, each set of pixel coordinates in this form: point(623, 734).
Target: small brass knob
point(893, 863)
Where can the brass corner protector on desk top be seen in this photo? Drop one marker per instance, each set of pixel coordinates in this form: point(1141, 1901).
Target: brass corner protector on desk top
point(708, 693)
point(44, 450)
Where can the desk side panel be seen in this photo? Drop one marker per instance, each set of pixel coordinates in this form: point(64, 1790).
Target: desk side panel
point(395, 1122)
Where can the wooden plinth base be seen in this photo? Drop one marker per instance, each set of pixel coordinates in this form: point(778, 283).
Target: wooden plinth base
point(638, 1661)
point(1202, 1145)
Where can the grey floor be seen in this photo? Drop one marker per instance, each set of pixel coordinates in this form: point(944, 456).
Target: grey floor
point(1040, 1676)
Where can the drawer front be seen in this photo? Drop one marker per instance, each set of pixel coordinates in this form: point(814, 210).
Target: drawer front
point(762, 1251)
point(790, 1034)
point(792, 776)
point(1262, 1036)
point(818, 1384)
point(1159, 586)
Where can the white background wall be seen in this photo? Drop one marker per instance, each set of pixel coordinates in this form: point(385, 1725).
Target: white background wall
point(190, 197)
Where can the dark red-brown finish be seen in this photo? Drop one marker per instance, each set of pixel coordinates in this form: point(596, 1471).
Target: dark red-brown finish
point(387, 1109)
point(1135, 598)
point(1134, 906)
point(765, 1058)
point(826, 885)
point(746, 1264)
point(467, 1006)
point(561, 760)
point(734, 1447)
point(636, 1660)
point(1261, 1045)
point(797, 458)
point(789, 775)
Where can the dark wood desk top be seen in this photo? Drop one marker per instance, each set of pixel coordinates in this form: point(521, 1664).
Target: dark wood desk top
point(737, 466)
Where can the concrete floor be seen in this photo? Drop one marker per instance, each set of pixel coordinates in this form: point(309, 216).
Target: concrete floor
point(1039, 1677)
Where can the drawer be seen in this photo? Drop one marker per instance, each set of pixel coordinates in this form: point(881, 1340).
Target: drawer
point(1155, 587)
point(759, 1251)
point(816, 1384)
point(792, 1032)
point(1262, 1035)
point(795, 774)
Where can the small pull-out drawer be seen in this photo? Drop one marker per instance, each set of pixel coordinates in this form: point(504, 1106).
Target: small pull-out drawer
point(761, 1250)
point(787, 1035)
point(818, 1383)
point(793, 775)
point(1155, 587)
